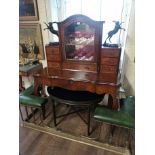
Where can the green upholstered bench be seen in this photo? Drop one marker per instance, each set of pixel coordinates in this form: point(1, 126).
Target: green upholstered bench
point(125, 117)
point(28, 99)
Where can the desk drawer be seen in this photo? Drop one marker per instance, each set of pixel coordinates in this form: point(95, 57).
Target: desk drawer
point(105, 88)
point(110, 52)
point(109, 61)
point(82, 86)
point(108, 69)
point(60, 83)
point(52, 57)
point(53, 64)
point(52, 50)
point(82, 67)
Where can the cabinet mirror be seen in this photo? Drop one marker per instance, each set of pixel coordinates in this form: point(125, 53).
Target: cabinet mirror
point(79, 42)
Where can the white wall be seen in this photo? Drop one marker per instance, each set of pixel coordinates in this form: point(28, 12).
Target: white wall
point(129, 65)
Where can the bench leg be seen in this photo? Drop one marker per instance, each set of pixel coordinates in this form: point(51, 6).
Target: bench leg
point(26, 112)
point(21, 113)
point(54, 112)
point(43, 111)
point(112, 128)
point(88, 121)
point(33, 114)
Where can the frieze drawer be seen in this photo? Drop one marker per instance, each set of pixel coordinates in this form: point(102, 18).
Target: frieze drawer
point(82, 86)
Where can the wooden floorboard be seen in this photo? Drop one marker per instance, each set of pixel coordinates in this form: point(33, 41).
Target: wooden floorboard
point(37, 143)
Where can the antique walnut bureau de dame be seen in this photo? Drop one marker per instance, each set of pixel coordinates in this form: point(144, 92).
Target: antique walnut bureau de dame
point(79, 62)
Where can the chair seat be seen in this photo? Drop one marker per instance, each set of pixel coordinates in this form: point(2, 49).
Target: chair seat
point(27, 99)
point(30, 100)
point(74, 97)
point(125, 117)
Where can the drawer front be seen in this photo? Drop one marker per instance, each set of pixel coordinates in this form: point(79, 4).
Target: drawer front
point(108, 69)
point(53, 64)
point(60, 83)
point(52, 57)
point(82, 67)
point(110, 52)
point(107, 77)
point(108, 89)
point(81, 86)
point(109, 61)
point(52, 50)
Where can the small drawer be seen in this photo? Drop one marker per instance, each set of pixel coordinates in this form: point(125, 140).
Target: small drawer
point(52, 50)
point(107, 77)
point(60, 83)
point(52, 57)
point(110, 52)
point(108, 69)
point(109, 61)
point(53, 64)
point(82, 86)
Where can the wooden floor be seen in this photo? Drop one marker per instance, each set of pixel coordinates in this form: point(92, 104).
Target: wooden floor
point(38, 143)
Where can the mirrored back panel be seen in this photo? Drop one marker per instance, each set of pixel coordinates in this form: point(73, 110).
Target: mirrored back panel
point(79, 41)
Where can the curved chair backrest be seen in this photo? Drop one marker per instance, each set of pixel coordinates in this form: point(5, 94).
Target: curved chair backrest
point(28, 91)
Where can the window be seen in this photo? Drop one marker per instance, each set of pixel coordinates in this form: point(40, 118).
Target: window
point(103, 10)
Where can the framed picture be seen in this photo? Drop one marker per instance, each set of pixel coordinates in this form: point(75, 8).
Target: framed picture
point(30, 42)
point(28, 10)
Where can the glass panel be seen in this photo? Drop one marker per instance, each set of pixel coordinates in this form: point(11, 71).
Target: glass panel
point(79, 41)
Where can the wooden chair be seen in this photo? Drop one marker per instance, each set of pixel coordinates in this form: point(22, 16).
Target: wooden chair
point(77, 100)
point(28, 99)
point(125, 117)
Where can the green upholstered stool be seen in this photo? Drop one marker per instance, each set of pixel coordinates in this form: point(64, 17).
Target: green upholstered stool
point(28, 99)
point(125, 117)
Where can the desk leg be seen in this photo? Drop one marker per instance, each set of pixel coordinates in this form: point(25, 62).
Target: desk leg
point(21, 88)
point(115, 103)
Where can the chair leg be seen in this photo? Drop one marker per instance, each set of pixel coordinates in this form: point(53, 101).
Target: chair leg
point(43, 111)
point(131, 144)
point(54, 112)
point(112, 128)
point(33, 114)
point(21, 113)
point(88, 121)
point(26, 112)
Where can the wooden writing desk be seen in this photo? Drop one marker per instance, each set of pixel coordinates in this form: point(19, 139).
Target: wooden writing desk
point(80, 62)
point(75, 80)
